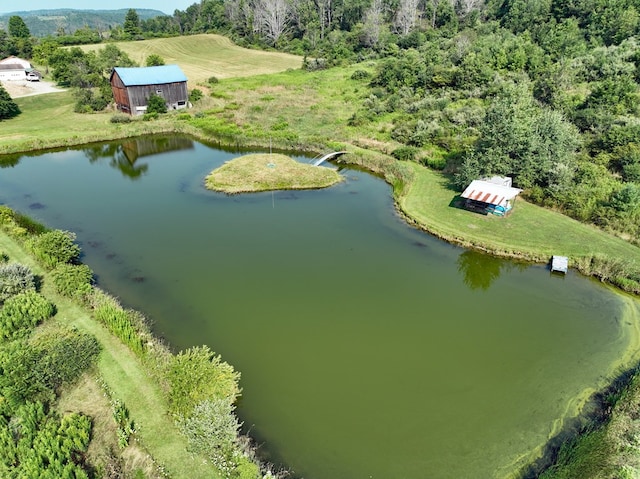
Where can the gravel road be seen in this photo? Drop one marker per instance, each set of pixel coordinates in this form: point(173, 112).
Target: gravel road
point(16, 89)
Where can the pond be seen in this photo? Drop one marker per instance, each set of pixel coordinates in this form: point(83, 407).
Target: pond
point(367, 349)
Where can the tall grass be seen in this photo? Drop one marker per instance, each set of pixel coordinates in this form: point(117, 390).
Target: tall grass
point(127, 325)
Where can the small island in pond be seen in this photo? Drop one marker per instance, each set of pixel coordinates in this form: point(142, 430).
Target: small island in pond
point(267, 172)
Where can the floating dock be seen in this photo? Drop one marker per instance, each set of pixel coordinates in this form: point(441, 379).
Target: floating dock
point(559, 264)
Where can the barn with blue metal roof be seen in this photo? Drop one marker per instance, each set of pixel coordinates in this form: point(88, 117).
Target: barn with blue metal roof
point(132, 87)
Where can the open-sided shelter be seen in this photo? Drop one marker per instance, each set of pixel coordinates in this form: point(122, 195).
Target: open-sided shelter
point(490, 196)
point(132, 87)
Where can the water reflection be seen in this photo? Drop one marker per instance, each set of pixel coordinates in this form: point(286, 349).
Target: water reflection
point(124, 156)
point(480, 270)
point(9, 161)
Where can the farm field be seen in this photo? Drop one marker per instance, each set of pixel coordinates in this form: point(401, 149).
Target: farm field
point(206, 55)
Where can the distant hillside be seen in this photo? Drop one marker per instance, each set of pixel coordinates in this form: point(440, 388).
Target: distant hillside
point(48, 22)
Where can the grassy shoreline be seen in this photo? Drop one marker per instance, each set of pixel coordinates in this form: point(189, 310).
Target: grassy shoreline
point(162, 450)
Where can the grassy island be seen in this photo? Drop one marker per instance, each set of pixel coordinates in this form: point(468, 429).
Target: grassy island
point(268, 172)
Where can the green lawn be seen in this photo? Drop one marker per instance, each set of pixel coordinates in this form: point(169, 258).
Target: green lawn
point(529, 231)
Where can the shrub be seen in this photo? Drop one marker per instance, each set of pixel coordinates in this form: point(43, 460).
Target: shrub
point(212, 80)
point(54, 247)
point(120, 118)
point(72, 280)
point(65, 355)
point(89, 101)
point(183, 116)
point(150, 116)
point(124, 423)
point(18, 225)
point(156, 104)
point(195, 95)
point(15, 278)
point(212, 430)
point(23, 312)
point(405, 153)
point(360, 75)
point(360, 118)
point(36, 442)
point(196, 375)
point(34, 370)
point(436, 162)
point(154, 60)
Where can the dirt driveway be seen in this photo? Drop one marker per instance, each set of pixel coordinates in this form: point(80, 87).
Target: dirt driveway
point(19, 88)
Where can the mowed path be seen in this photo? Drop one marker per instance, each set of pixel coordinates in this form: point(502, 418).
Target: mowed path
point(203, 56)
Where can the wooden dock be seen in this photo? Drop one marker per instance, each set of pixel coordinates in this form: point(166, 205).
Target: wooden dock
point(559, 264)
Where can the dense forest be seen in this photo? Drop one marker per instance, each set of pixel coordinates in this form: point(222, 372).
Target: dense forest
point(545, 91)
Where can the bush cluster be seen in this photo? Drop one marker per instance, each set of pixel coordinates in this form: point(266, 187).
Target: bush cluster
point(37, 442)
point(120, 118)
point(405, 153)
point(73, 280)
point(15, 278)
point(18, 225)
point(360, 75)
point(195, 95)
point(22, 312)
point(35, 370)
point(54, 247)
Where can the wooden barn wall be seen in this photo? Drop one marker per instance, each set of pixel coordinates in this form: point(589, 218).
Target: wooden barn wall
point(171, 92)
point(120, 94)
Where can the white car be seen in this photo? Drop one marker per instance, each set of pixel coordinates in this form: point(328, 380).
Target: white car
point(33, 76)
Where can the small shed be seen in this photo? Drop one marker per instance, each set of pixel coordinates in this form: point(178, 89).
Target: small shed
point(132, 87)
point(14, 68)
point(490, 197)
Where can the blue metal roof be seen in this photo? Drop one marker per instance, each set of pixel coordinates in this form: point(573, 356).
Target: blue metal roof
point(150, 75)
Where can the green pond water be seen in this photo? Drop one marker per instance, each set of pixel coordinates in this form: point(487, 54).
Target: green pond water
point(367, 349)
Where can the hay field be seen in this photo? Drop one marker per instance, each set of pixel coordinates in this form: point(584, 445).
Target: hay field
point(206, 55)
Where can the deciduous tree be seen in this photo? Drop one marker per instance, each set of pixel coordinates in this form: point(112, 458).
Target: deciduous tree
point(154, 60)
point(272, 18)
point(407, 16)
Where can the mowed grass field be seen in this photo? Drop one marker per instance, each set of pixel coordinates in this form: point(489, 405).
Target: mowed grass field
point(203, 56)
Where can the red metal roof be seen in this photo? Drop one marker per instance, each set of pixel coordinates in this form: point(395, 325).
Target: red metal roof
point(489, 193)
